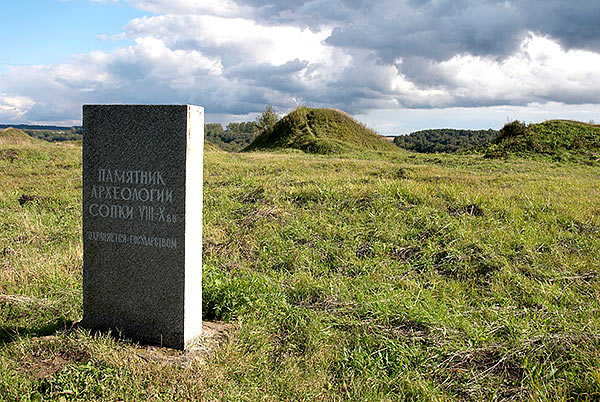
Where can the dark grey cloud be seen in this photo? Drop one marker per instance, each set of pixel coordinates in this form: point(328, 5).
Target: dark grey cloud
point(575, 24)
point(353, 4)
point(283, 78)
point(439, 29)
point(303, 13)
point(435, 30)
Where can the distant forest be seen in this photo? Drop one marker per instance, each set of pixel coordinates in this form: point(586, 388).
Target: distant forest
point(233, 138)
point(68, 134)
point(444, 140)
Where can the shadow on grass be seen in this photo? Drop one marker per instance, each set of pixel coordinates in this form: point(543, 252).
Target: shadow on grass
point(11, 333)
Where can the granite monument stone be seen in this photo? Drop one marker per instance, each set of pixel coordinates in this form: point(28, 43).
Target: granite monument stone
point(142, 221)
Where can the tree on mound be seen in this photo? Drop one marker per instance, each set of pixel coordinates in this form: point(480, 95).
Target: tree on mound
point(558, 139)
point(319, 131)
point(266, 121)
point(13, 136)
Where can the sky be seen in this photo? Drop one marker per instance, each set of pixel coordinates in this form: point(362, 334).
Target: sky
point(396, 65)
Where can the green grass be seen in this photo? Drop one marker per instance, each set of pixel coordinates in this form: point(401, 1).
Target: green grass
point(371, 277)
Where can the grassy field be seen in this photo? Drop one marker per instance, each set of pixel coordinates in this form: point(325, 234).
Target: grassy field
point(384, 276)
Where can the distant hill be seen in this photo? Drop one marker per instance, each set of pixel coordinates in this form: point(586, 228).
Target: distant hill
point(13, 136)
point(444, 140)
point(49, 133)
point(558, 139)
point(319, 131)
point(210, 147)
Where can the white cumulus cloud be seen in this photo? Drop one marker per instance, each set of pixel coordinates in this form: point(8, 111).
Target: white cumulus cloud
point(14, 107)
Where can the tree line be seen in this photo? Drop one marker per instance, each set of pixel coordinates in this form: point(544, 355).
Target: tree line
point(238, 136)
point(444, 140)
point(233, 138)
point(70, 134)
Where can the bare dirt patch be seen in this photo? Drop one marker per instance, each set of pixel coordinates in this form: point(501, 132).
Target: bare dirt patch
point(40, 368)
point(9, 154)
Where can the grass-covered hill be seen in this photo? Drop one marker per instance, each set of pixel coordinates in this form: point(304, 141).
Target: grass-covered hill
point(444, 140)
point(556, 139)
point(211, 147)
point(49, 133)
point(319, 131)
point(13, 136)
point(374, 277)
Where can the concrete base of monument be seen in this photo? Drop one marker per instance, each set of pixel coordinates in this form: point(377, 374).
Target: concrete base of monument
point(214, 334)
